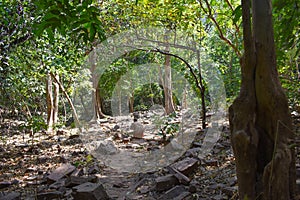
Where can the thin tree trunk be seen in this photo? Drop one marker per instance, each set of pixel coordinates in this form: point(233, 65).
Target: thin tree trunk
point(119, 99)
point(202, 92)
point(131, 98)
point(169, 105)
point(259, 118)
point(49, 99)
point(55, 100)
point(131, 102)
point(69, 100)
point(184, 97)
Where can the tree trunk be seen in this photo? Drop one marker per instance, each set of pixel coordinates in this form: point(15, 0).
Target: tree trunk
point(49, 100)
point(169, 105)
point(131, 97)
point(96, 91)
point(202, 92)
point(98, 111)
point(55, 100)
point(131, 103)
point(259, 118)
point(68, 98)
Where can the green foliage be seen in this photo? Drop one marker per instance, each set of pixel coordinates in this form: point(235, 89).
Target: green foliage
point(228, 64)
point(286, 16)
point(62, 28)
point(287, 25)
point(15, 28)
point(82, 163)
point(166, 126)
point(36, 123)
point(29, 65)
point(79, 19)
point(147, 95)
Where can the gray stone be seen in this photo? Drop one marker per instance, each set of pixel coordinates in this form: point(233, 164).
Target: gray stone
point(77, 180)
point(77, 172)
point(57, 184)
point(60, 172)
point(165, 182)
point(193, 152)
point(180, 176)
point(91, 191)
point(138, 129)
point(212, 163)
point(94, 169)
point(174, 193)
point(186, 166)
point(5, 184)
point(49, 195)
point(193, 188)
point(11, 196)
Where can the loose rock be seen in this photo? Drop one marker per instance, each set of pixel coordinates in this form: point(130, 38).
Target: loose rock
point(49, 195)
point(60, 172)
point(187, 165)
point(76, 180)
point(174, 193)
point(165, 182)
point(11, 196)
point(91, 191)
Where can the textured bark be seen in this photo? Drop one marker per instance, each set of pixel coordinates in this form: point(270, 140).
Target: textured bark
point(55, 100)
point(259, 118)
point(49, 100)
point(52, 93)
point(169, 105)
point(202, 92)
point(131, 103)
point(96, 91)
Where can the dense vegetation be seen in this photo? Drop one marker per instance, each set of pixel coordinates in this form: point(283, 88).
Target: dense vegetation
point(45, 47)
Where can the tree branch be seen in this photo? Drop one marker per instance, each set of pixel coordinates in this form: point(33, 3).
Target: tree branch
point(221, 35)
point(184, 61)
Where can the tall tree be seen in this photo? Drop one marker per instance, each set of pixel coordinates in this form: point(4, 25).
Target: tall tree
point(260, 121)
point(169, 105)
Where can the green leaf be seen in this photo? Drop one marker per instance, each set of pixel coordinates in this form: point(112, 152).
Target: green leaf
point(50, 33)
point(92, 32)
point(237, 14)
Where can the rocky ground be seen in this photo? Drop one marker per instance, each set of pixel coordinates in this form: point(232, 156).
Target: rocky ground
point(61, 166)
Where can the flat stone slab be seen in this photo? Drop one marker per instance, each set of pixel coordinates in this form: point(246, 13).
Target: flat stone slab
point(78, 180)
point(178, 192)
point(90, 191)
point(165, 182)
point(49, 195)
point(60, 172)
point(187, 165)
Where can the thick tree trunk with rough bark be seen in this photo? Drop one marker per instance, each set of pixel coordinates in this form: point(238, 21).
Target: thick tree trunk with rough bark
point(96, 91)
point(261, 128)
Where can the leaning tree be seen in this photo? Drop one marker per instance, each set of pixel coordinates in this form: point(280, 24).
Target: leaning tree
point(260, 121)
